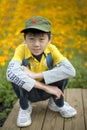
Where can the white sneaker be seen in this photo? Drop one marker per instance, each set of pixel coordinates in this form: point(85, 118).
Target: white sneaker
point(24, 117)
point(65, 111)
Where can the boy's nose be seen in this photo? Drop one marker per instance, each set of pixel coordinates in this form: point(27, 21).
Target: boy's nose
point(37, 43)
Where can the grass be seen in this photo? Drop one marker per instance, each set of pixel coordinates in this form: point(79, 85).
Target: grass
point(7, 96)
point(80, 80)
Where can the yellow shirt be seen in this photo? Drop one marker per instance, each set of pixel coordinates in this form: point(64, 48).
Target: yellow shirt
point(22, 52)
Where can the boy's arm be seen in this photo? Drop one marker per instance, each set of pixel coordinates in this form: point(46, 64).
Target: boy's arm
point(54, 90)
point(16, 75)
point(63, 70)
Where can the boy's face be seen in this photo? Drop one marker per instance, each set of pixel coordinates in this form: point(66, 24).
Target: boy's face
point(37, 42)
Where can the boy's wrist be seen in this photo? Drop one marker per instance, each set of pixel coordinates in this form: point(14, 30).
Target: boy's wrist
point(40, 85)
point(38, 76)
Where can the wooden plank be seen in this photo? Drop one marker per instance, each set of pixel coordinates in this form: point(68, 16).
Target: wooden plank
point(39, 110)
point(10, 123)
point(45, 119)
point(74, 97)
point(53, 120)
point(84, 92)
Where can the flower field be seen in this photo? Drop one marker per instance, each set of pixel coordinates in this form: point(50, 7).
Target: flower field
point(69, 24)
point(69, 30)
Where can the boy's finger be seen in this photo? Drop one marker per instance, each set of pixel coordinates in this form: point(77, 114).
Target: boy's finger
point(58, 97)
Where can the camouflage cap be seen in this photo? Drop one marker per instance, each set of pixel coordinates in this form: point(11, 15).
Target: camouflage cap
point(37, 22)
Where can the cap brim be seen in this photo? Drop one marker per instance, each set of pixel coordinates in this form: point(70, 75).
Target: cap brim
point(38, 28)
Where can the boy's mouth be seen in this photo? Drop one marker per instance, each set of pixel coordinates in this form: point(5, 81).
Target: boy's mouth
point(36, 50)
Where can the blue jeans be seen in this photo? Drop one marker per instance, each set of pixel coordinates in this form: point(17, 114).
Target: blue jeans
point(38, 95)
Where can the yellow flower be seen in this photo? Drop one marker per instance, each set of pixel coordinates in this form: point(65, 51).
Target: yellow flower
point(85, 64)
point(2, 63)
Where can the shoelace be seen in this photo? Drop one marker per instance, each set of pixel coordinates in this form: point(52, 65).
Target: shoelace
point(23, 112)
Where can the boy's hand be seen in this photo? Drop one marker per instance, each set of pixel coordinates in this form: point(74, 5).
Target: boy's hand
point(28, 72)
point(32, 74)
point(55, 91)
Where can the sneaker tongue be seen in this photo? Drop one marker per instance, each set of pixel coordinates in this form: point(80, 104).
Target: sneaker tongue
point(23, 111)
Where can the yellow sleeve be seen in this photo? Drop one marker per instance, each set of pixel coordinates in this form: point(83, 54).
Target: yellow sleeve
point(56, 55)
point(19, 53)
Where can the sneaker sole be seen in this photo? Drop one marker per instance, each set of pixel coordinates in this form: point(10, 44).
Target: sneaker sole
point(65, 116)
point(68, 116)
point(24, 125)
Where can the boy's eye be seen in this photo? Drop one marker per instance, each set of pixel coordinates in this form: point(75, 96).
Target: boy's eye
point(31, 38)
point(41, 39)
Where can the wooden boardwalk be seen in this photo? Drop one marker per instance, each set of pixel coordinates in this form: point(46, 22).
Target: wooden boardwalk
point(45, 119)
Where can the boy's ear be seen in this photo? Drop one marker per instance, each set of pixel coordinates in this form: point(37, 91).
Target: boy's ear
point(24, 37)
point(50, 39)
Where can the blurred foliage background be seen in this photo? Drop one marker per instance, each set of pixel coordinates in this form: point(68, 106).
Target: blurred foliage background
point(69, 30)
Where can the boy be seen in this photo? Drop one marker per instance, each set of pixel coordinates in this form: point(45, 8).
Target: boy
point(38, 71)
